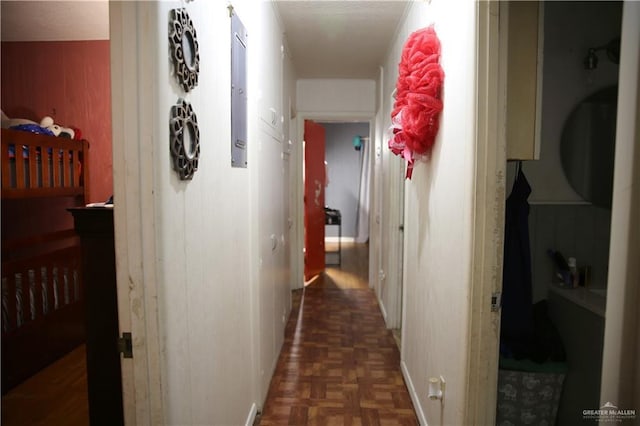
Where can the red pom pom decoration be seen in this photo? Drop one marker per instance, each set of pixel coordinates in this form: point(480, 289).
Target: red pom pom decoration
point(77, 134)
point(415, 115)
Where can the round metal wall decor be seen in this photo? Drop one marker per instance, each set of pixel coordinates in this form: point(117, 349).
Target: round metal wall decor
point(184, 49)
point(185, 139)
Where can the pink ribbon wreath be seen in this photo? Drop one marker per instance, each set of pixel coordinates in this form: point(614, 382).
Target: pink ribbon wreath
point(415, 115)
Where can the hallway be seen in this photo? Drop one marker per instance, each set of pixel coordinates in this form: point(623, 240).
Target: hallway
point(339, 365)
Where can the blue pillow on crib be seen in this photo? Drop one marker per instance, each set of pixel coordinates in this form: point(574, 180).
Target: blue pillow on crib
point(33, 128)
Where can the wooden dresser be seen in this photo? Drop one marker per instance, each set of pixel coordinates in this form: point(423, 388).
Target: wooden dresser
point(95, 228)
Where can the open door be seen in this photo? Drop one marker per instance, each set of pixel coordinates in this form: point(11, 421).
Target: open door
point(314, 183)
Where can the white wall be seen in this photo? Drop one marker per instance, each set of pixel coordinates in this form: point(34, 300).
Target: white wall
point(215, 302)
point(344, 167)
point(269, 168)
point(438, 218)
point(289, 166)
point(336, 96)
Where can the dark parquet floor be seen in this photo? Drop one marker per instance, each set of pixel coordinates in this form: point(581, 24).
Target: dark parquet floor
point(339, 365)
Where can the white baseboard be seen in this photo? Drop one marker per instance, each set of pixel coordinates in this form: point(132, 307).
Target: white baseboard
point(342, 239)
point(414, 395)
point(252, 415)
point(383, 310)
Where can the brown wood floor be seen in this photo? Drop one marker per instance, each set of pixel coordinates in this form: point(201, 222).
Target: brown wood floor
point(55, 396)
point(339, 365)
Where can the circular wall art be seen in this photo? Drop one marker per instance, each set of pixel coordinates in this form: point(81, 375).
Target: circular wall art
point(185, 139)
point(184, 49)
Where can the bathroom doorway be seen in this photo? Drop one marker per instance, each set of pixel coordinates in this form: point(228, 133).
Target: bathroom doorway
point(564, 218)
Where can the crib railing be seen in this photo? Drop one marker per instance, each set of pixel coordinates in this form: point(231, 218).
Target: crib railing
point(42, 310)
point(42, 166)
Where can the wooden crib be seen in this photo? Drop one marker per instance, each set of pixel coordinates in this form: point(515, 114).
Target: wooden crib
point(42, 289)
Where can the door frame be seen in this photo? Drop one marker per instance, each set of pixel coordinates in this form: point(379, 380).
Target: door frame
point(621, 336)
point(393, 275)
point(132, 61)
point(488, 234)
point(389, 268)
point(297, 210)
point(488, 221)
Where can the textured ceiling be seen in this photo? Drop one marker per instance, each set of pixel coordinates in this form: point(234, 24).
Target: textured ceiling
point(326, 38)
point(339, 39)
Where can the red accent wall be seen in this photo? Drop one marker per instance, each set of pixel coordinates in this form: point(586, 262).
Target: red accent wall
point(71, 82)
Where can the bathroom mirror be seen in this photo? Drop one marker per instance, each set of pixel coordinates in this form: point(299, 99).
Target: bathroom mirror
point(587, 146)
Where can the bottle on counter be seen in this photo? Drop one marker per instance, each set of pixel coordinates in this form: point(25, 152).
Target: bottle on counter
point(585, 276)
point(573, 271)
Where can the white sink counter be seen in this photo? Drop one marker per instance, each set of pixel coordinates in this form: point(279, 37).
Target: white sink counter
point(594, 300)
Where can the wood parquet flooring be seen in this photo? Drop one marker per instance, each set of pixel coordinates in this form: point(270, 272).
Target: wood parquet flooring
point(339, 365)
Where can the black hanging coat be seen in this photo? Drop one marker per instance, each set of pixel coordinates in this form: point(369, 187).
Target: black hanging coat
point(517, 308)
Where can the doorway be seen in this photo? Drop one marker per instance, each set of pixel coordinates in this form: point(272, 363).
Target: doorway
point(347, 157)
point(50, 306)
point(344, 167)
point(563, 221)
point(315, 182)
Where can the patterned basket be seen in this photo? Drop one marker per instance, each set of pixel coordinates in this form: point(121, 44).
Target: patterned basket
point(529, 397)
